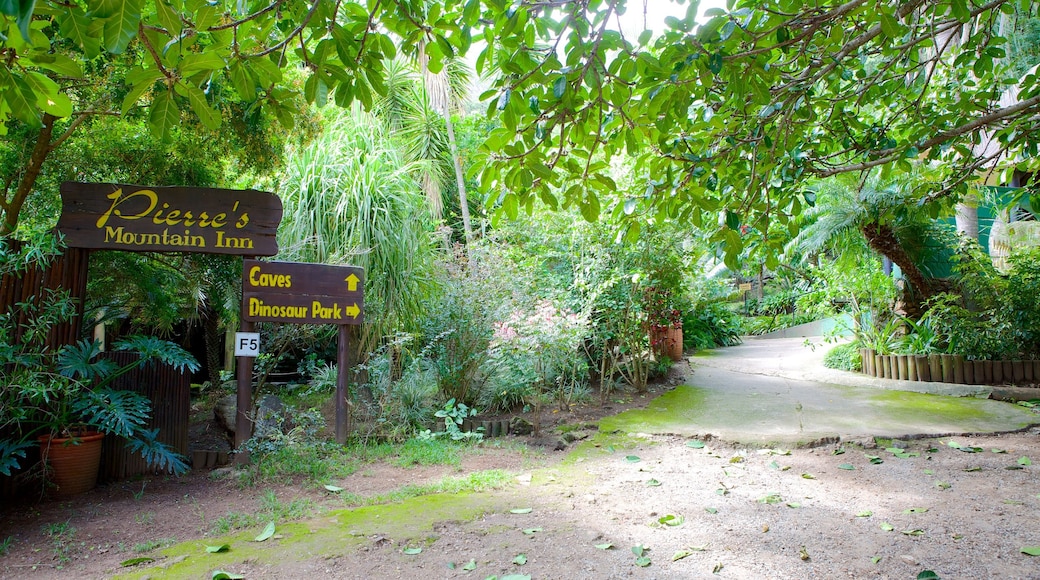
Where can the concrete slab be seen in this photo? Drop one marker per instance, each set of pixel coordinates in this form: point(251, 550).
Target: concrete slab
point(777, 392)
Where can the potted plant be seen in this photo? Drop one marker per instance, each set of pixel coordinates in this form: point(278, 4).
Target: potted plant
point(67, 411)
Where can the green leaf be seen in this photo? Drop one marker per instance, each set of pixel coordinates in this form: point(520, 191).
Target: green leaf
point(531, 531)
point(643, 561)
point(632, 458)
point(469, 566)
point(808, 476)
point(605, 546)
point(695, 444)
point(711, 510)
point(653, 483)
point(887, 526)
point(218, 549)
point(1031, 550)
point(334, 488)
point(864, 514)
point(927, 575)
point(121, 18)
point(559, 86)
point(520, 559)
point(81, 30)
point(412, 551)
point(847, 466)
point(916, 510)
point(715, 62)
point(266, 534)
point(136, 561)
point(913, 532)
point(222, 575)
point(639, 550)
point(164, 116)
point(197, 99)
point(521, 510)
point(1024, 461)
point(671, 520)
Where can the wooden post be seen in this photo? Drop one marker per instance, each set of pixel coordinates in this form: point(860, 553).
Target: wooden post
point(243, 423)
point(343, 365)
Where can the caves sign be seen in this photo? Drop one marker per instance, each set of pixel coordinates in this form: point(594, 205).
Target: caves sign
point(302, 293)
point(169, 219)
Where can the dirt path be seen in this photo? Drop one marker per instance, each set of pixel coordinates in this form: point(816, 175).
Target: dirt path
point(745, 513)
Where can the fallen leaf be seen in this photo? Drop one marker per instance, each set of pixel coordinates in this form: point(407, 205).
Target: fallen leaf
point(218, 549)
point(765, 528)
point(929, 472)
point(718, 568)
point(521, 510)
point(927, 575)
point(1014, 467)
point(471, 565)
point(411, 551)
point(876, 559)
point(632, 458)
point(266, 534)
point(943, 485)
point(771, 498)
point(520, 559)
point(696, 444)
point(136, 561)
point(222, 575)
point(874, 459)
point(792, 504)
point(653, 483)
point(1024, 461)
point(530, 531)
point(711, 510)
point(640, 549)
point(605, 546)
point(333, 488)
point(642, 561)
point(864, 514)
point(971, 469)
point(773, 465)
point(847, 466)
point(808, 476)
point(887, 526)
point(1031, 550)
point(915, 510)
point(671, 520)
point(803, 554)
point(838, 451)
point(998, 450)
point(914, 532)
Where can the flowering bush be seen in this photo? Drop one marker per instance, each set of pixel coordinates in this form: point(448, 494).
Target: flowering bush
point(537, 353)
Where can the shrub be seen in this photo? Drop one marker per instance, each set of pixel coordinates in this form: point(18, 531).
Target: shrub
point(710, 325)
point(844, 357)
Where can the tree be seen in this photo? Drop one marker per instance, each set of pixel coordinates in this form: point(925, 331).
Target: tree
point(728, 119)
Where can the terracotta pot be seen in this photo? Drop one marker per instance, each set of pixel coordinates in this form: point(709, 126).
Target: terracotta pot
point(923, 372)
point(73, 462)
point(667, 341)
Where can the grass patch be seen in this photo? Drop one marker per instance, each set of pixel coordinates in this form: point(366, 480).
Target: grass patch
point(430, 452)
point(474, 482)
point(271, 509)
point(315, 463)
point(154, 544)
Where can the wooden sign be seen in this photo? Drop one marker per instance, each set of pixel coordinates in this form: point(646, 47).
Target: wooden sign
point(745, 287)
point(302, 293)
point(169, 219)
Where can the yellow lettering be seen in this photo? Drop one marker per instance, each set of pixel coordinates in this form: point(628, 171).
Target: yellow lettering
point(219, 220)
point(188, 219)
point(242, 221)
point(261, 280)
point(118, 199)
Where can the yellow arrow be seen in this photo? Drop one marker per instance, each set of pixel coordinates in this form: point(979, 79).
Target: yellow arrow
point(353, 311)
point(352, 281)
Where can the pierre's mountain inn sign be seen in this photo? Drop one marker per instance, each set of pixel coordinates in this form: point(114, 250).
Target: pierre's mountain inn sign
point(169, 219)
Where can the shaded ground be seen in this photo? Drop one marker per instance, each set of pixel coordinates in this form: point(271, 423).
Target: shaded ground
point(963, 510)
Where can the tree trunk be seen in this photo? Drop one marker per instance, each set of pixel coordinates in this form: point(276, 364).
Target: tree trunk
point(41, 150)
point(882, 239)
